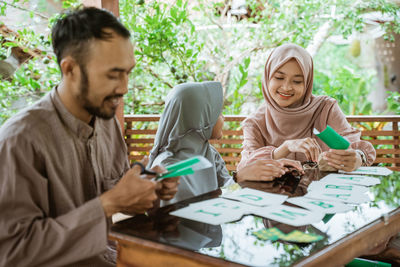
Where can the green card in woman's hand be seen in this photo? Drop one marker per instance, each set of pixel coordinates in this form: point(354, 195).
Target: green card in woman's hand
point(332, 139)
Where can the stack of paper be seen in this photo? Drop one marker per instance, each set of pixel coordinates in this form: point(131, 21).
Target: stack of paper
point(381, 171)
point(335, 193)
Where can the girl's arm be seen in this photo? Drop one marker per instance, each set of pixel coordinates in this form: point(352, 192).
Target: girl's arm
point(254, 146)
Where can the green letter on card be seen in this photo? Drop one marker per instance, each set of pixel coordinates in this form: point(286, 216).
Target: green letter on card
point(283, 215)
point(322, 204)
point(341, 196)
point(252, 197)
point(342, 187)
point(222, 205)
point(209, 213)
point(289, 214)
point(350, 178)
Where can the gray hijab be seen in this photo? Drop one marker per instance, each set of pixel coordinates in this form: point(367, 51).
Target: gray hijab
point(191, 111)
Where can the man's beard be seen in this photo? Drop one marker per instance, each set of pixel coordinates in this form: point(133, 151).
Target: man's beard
point(87, 105)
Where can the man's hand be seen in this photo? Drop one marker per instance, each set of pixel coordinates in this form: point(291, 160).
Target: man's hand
point(132, 194)
point(266, 169)
point(168, 187)
point(346, 160)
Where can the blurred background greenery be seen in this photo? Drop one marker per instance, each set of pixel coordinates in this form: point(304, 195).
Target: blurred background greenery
point(355, 45)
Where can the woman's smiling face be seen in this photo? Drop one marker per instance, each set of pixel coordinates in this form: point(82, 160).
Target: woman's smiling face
point(286, 85)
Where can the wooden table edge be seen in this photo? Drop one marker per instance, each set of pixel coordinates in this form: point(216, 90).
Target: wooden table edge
point(122, 240)
point(355, 244)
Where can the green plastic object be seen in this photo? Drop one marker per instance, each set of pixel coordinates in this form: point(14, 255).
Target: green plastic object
point(357, 262)
point(332, 139)
point(183, 164)
point(186, 171)
point(185, 167)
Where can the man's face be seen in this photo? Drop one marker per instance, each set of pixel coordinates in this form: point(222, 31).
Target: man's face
point(104, 77)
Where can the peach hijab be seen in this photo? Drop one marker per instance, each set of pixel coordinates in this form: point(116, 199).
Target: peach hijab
point(278, 124)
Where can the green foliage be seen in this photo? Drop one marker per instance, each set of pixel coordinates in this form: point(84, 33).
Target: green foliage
point(235, 99)
point(393, 102)
point(70, 3)
point(388, 190)
point(31, 81)
point(343, 80)
point(167, 51)
point(33, 78)
point(198, 40)
point(5, 51)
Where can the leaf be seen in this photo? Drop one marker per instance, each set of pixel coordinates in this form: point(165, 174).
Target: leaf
point(174, 12)
point(242, 83)
point(247, 62)
point(241, 69)
point(10, 44)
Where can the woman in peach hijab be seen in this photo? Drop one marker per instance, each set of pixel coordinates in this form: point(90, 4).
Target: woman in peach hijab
point(283, 126)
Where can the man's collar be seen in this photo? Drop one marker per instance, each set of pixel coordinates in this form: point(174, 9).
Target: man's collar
point(81, 129)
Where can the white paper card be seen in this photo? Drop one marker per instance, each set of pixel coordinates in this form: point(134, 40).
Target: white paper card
point(348, 197)
point(320, 205)
point(336, 188)
point(256, 197)
point(351, 179)
point(289, 215)
point(371, 170)
point(229, 205)
point(215, 216)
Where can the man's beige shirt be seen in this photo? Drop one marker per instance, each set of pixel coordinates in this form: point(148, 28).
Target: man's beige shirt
point(53, 167)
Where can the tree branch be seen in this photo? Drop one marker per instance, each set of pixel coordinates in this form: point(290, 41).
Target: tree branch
point(24, 9)
point(319, 38)
point(224, 74)
point(158, 77)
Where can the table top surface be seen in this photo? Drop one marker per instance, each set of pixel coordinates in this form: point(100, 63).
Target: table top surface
point(234, 241)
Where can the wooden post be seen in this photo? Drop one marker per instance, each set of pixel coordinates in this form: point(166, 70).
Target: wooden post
point(113, 6)
point(396, 146)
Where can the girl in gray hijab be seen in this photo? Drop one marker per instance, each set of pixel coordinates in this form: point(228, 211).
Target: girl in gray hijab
point(192, 116)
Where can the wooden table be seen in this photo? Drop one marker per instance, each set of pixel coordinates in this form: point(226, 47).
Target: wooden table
point(160, 239)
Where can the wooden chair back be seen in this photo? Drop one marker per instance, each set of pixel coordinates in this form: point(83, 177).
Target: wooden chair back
point(381, 131)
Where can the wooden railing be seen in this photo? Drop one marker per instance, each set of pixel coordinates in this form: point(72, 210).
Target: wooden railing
point(382, 131)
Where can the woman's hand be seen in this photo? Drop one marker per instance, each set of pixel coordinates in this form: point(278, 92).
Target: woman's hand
point(266, 169)
point(345, 160)
point(292, 163)
point(308, 146)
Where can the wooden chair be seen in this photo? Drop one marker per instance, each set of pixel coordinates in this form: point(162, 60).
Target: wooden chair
point(382, 131)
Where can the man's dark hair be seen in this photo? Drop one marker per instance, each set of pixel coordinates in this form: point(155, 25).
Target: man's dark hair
point(73, 32)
